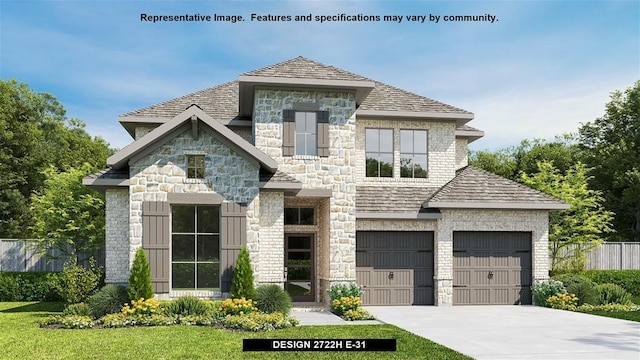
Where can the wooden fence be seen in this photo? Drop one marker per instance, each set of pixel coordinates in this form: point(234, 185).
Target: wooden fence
point(614, 256)
point(19, 255)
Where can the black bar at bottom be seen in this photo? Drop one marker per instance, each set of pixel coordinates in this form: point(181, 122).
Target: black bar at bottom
point(319, 345)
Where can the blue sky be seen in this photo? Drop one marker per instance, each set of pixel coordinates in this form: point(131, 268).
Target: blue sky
point(542, 69)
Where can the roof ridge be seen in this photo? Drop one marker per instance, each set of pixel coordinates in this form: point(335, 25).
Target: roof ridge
point(179, 98)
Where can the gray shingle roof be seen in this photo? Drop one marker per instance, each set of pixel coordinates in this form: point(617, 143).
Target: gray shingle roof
point(278, 177)
point(391, 198)
point(110, 173)
point(467, 128)
point(385, 97)
point(221, 102)
point(477, 186)
point(303, 68)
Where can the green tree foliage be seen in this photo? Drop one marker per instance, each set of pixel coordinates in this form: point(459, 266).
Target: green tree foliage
point(67, 215)
point(140, 277)
point(75, 283)
point(242, 285)
point(579, 229)
point(611, 145)
point(511, 162)
point(34, 135)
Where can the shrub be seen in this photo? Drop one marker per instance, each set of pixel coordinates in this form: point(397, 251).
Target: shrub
point(358, 314)
point(141, 307)
point(237, 306)
point(344, 304)
point(338, 291)
point(187, 306)
point(570, 279)
point(116, 320)
point(108, 300)
point(242, 283)
point(259, 322)
point(214, 308)
point(628, 279)
point(28, 286)
point(542, 290)
point(585, 291)
point(140, 277)
point(612, 294)
point(565, 301)
point(80, 309)
point(75, 283)
point(272, 298)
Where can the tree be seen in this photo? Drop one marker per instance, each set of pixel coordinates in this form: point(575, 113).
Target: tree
point(611, 145)
point(579, 229)
point(242, 283)
point(35, 134)
point(67, 215)
point(140, 277)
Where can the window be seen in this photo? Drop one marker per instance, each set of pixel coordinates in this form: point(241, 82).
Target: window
point(379, 152)
point(195, 166)
point(299, 216)
point(306, 133)
point(413, 153)
point(195, 247)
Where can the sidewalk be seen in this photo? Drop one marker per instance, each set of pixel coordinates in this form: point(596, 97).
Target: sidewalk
point(312, 316)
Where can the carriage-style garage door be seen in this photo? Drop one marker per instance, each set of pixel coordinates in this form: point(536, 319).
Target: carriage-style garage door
point(395, 267)
point(491, 268)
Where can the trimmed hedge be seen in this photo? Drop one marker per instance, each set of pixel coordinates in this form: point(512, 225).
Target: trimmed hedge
point(628, 279)
point(28, 286)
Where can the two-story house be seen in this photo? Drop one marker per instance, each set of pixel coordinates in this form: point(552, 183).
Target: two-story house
point(327, 177)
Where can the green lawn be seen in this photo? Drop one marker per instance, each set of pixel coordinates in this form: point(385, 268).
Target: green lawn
point(23, 339)
point(626, 315)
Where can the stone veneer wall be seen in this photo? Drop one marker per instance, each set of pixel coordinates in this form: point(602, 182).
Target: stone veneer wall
point(143, 130)
point(244, 132)
point(335, 172)
point(163, 171)
point(441, 148)
point(117, 236)
point(462, 158)
point(535, 221)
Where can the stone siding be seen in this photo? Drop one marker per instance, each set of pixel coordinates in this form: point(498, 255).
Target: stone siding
point(441, 152)
point(142, 131)
point(244, 132)
point(117, 236)
point(462, 153)
point(335, 172)
point(164, 171)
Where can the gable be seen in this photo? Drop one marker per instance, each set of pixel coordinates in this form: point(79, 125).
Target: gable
point(192, 118)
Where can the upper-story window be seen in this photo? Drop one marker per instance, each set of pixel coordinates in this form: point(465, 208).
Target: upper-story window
point(379, 152)
point(195, 166)
point(306, 128)
point(305, 133)
point(413, 153)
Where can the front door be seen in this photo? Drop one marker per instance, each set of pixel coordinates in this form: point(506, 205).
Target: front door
point(299, 266)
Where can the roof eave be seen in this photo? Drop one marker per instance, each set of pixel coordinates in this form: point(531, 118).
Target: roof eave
point(471, 136)
point(494, 205)
point(119, 159)
point(459, 118)
point(249, 82)
point(397, 215)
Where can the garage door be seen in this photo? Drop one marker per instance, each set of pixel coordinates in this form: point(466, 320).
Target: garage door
point(395, 268)
point(491, 268)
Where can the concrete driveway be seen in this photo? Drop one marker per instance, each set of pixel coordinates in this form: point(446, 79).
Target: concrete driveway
point(518, 332)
